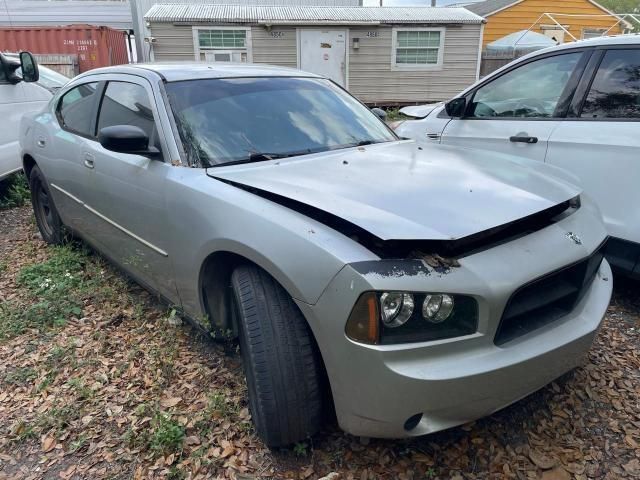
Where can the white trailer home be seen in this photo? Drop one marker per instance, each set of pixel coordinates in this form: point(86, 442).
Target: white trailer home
point(383, 55)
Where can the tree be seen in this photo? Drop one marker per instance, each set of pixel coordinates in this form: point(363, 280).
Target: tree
point(624, 6)
point(621, 6)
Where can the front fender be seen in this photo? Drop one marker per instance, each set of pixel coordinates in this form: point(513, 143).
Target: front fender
point(210, 216)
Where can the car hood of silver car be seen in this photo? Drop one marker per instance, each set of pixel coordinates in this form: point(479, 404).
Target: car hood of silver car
point(403, 191)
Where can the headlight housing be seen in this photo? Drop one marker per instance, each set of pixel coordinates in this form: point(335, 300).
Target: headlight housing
point(396, 308)
point(385, 318)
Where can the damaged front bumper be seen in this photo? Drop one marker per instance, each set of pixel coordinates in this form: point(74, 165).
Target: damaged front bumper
point(417, 388)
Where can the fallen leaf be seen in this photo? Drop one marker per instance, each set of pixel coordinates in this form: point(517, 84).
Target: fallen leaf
point(630, 441)
point(575, 468)
point(633, 467)
point(170, 402)
point(68, 472)
point(556, 474)
point(422, 458)
point(48, 444)
point(228, 451)
point(330, 476)
point(541, 461)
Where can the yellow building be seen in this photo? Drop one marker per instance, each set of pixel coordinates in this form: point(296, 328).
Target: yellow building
point(562, 20)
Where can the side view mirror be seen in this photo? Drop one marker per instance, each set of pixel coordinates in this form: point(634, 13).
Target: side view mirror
point(126, 139)
point(380, 113)
point(29, 66)
point(456, 108)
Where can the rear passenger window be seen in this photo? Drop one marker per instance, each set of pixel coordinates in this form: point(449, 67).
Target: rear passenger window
point(615, 92)
point(75, 110)
point(127, 104)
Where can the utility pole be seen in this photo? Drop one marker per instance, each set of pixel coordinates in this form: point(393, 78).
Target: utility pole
point(433, 3)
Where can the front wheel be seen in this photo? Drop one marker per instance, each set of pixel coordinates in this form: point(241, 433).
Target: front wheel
point(44, 209)
point(281, 361)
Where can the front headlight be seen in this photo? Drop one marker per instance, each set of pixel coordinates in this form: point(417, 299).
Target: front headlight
point(395, 308)
point(404, 317)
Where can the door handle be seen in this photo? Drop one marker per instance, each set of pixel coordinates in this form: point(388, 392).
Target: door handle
point(434, 136)
point(41, 142)
point(529, 140)
point(88, 160)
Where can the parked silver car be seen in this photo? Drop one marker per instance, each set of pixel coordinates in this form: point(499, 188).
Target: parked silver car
point(428, 285)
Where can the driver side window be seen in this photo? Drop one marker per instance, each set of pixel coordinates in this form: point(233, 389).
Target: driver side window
point(530, 91)
point(128, 104)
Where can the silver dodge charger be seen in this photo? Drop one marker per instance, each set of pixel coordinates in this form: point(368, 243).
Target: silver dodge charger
point(411, 288)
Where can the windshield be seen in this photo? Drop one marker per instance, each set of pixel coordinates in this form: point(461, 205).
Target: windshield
point(238, 120)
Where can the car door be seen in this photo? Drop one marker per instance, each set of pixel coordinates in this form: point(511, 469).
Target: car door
point(600, 144)
point(60, 143)
point(517, 111)
point(127, 191)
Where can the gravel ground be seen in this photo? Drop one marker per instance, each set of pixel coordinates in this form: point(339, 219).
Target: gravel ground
point(122, 390)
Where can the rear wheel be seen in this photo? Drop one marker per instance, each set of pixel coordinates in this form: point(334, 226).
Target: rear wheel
point(44, 209)
point(280, 359)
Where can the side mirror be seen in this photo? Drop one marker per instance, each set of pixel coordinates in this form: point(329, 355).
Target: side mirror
point(126, 139)
point(456, 108)
point(380, 113)
point(29, 66)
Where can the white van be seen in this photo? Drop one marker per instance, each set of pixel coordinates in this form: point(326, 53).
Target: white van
point(20, 95)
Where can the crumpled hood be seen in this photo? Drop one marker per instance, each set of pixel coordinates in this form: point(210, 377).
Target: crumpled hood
point(403, 191)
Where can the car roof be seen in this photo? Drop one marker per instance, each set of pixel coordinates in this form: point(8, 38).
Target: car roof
point(627, 39)
point(178, 71)
point(609, 41)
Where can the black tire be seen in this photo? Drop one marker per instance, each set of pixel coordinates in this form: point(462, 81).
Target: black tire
point(280, 358)
point(47, 218)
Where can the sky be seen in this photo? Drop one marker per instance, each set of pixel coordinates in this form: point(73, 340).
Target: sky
point(423, 3)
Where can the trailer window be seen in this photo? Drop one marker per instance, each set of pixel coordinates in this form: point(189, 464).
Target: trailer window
point(418, 48)
point(593, 32)
point(222, 44)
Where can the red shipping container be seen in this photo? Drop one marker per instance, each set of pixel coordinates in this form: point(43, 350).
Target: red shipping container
point(94, 46)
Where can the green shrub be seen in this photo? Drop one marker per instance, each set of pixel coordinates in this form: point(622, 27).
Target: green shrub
point(14, 191)
point(167, 435)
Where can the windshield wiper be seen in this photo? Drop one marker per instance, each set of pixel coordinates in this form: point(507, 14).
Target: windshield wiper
point(362, 143)
point(263, 157)
point(254, 157)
